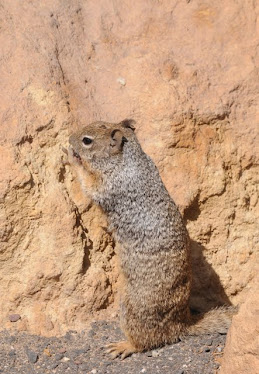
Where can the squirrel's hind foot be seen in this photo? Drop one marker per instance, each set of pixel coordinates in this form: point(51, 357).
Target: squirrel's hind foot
point(122, 349)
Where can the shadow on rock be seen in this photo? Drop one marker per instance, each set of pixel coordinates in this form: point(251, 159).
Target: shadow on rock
point(207, 291)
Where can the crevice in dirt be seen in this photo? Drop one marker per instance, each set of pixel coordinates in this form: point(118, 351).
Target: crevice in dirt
point(87, 243)
point(48, 125)
point(59, 64)
point(62, 173)
point(63, 77)
point(25, 139)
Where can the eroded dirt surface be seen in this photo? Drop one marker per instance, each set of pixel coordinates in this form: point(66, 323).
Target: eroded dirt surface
point(82, 353)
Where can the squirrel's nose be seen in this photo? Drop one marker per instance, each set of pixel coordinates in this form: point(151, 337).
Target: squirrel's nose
point(72, 139)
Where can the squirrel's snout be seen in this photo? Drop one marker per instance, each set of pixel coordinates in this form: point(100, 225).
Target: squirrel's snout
point(76, 155)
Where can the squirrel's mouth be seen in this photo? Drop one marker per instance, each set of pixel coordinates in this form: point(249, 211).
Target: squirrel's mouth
point(76, 155)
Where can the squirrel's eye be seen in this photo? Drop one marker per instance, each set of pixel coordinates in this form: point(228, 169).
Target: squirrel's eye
point(87, 141)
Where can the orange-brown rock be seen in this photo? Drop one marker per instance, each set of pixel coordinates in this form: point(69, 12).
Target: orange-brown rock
point(241, 354)
point(186, 72)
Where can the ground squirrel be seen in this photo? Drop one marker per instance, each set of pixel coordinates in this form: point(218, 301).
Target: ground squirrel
point(116, 174)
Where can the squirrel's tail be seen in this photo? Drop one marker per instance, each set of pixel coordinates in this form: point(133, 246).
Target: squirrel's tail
point(216, 320)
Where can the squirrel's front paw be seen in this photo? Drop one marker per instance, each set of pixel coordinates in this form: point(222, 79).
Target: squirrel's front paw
point(123, 349)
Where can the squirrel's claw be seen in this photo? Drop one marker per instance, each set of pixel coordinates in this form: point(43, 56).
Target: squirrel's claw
point(123, 349)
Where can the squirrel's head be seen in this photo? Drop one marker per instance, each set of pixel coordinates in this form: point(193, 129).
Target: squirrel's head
point(101, 140)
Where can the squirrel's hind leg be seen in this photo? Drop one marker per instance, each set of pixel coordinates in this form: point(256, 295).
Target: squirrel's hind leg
point(122, 349)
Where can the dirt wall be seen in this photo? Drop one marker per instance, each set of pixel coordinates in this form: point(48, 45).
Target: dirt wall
point(186, 72)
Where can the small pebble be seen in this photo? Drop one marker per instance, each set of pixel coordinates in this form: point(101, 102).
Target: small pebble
point(155, 353)
point(32, 356)
point(62, 350)
point(219, 349)
point(208, 342)
point(47, 352)
point(78, 362)
point(122, 81)
point(59, 356)
point(14, 317)
point(65, 359)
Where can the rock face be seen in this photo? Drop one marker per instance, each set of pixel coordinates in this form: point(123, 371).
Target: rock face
point(186, 72)
point(241, 354)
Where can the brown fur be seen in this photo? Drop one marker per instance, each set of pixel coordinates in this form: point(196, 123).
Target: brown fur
point(154, 245)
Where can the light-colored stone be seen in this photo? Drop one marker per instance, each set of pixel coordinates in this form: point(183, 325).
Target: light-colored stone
point(241, 354)
point(191, 84)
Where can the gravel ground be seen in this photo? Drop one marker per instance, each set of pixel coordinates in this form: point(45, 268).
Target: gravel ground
point(82, 353)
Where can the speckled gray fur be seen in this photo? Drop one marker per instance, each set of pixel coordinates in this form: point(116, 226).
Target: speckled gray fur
point(137, 204)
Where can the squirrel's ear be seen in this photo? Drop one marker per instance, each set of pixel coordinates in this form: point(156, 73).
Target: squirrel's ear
point(128, 124)
point(117, 141)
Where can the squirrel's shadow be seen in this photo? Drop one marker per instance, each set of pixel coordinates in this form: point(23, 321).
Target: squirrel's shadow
point(207, 291)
